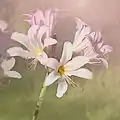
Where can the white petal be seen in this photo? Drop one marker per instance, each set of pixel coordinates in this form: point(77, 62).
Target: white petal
point(52, 63)
point(43, 58)
point(38, 17)
point(8, 64)
point(51, 78)
point(83, 30)
point(13, 74)
point(32, 32)
point(80, 23)
point(18, 51)
point(41, 32)
point(67, 53)
point(76, 63)
point(90, 52)
point(106, 49)
point(21, 38)
point(49, 41)
point(3, 25)
point(62, 88)
point(35, 34)
point(82, 45)
point(47, 16)
point(83, 73)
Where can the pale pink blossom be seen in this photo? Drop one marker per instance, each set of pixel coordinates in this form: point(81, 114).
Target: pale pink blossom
point(33, 44)
point(90, 44)
point(39, 18)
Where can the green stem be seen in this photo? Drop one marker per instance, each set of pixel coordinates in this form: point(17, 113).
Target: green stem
point(39, 103)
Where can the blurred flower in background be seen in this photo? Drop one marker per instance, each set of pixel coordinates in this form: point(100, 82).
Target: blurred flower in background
point(3, 25)
point(90, 44)
point(7, 65)
point(39, 18)
point(33, 43)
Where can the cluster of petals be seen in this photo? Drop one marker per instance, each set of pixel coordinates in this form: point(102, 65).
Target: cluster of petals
point(34, 42)
point(39, 18)
point(90, 44)
point(65, 68)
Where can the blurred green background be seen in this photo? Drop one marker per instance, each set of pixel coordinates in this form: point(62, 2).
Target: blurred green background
point(97, 99)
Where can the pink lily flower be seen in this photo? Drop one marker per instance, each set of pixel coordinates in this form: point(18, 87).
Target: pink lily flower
point(90, 44)
point(39, 18)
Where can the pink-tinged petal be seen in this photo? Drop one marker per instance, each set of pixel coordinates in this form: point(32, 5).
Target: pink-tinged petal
point(49, 41)
point(28, 15)
point(67, 53)
point(21, 38)
point(62, 88)
point(18, 51)
point(47, 16)
point(76, 63)
point(38, 17)
point(81, 33)
point(80, 24)
point(13, 74)
point(82, 46)
point(83, 73)
point(96, 39)
point(52, 63)
point(42, 30)
point(28, 21)
point(8, 64)
point(51, 78)
point(43, 58)
point(104, 61)
point(28, 18)
point(35, 18)
point(32, 32)
point(106, 49)
point(3, 25)
point(90, 52)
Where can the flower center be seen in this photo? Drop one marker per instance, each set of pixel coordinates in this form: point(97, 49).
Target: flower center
point(38, 51)
point(61, 70)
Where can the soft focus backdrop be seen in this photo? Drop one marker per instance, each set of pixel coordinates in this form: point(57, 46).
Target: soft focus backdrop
point(98, 99)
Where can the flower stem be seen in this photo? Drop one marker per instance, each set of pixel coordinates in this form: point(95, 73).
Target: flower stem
point(39, 103)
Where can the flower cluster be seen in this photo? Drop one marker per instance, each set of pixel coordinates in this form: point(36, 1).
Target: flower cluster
point(87, 48)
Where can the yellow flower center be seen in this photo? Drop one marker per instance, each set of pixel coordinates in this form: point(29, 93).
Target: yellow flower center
point(38, 51)
point(61, 70)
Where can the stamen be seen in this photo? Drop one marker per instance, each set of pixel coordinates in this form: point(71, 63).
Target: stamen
point(38, 52)
point(32, 65)
point(70, 81)
point(61, 70)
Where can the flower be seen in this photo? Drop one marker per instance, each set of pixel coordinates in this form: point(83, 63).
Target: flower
point(3, 25)
point(33, 44)
point(65, 68)
point(100, 47)
point(39, 18)
point(7, 65)
point(80, 39)
point(90, 44)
